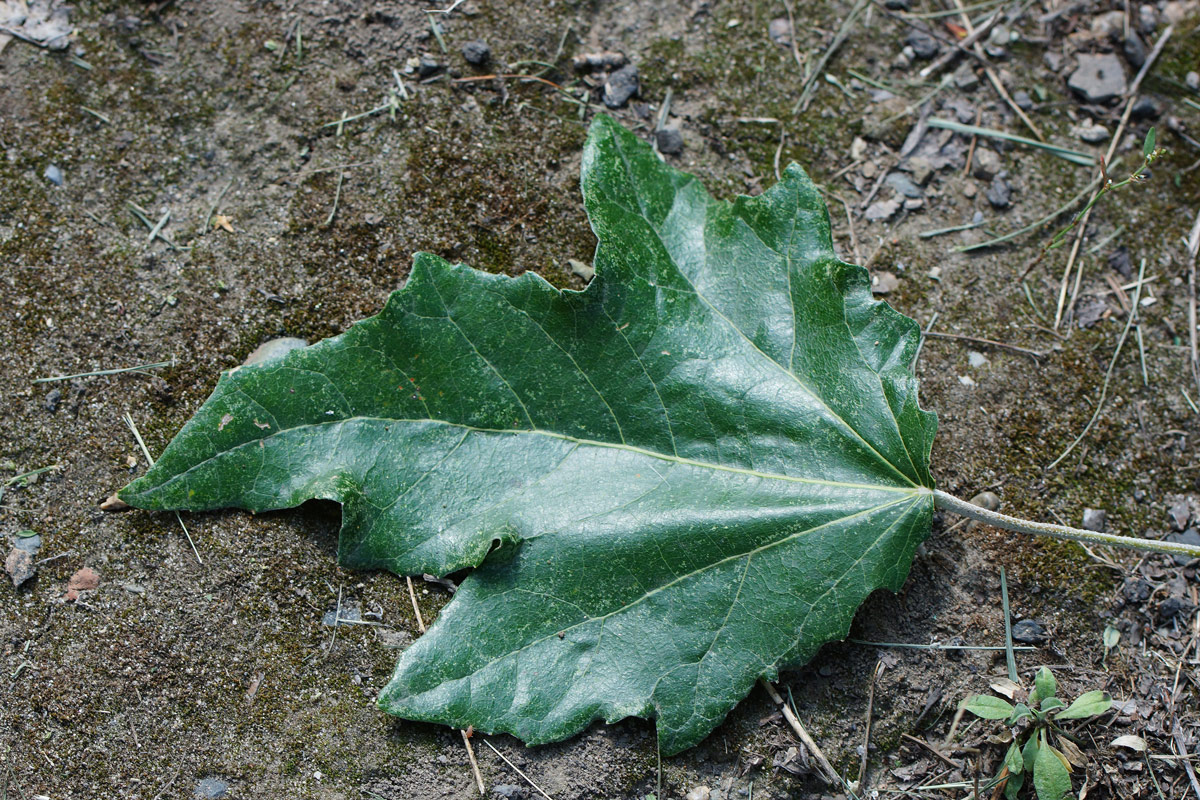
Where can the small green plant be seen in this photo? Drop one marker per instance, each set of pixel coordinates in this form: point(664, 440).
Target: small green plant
point(1041, 751)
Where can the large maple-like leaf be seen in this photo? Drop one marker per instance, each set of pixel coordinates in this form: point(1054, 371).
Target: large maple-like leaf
point(696, 469)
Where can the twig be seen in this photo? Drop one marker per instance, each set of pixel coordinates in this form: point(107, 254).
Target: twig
point(1034, 354)
point(150, 461)
point(931, 749)
point(1193, 250)
point(810, 83)
point(830, 774)
point(412, 594)
point(921, 342)
point(118, 371)
point(862, 764)
point(1112, 148)
point(906, 646)
point(466, 737)
point(1065, 153)
point(992, 77)
point(1034, 225)
point(970, 39)
point(1137, 293)
point(167, 785)
point(337, 197)
point(518, 770)
point(215, 206)
point(1177, 734)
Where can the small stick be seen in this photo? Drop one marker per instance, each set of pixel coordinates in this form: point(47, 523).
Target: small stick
point(118, 371)
point(1177, 734)
point(96, 114)
point(906, 646)
point(517, 770)
point(150, 460)
point(1046, 220)
point(931, 749)
point(831, 775)
point(412, 594)
point(1193, 250)
point(971, 147)
point(466, 737)
point(337, 196)
point(862, 765)
point(970, 39)
point(1035, 354)
point(158, 226)
point(1137, 294)
point(215, 206)
point(992, 77)
point(810, 83)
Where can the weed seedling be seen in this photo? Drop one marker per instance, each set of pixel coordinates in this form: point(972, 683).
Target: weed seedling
point(1041, 753)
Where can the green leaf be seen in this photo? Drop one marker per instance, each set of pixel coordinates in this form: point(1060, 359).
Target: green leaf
point(1050, 777)
point(988, 707)
point(1020, 712)
point(1088, 704)
point(26, 534)
point(1148, 145)
point(1029, 752)
point(1013, 760)
point(1051, 703)
point(1044, 686)
point(674, 482)
point(1013, 786)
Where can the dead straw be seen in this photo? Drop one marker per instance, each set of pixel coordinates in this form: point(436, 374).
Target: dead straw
point(150, 460)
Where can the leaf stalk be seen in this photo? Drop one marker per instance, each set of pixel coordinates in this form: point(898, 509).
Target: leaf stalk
point(949, 502)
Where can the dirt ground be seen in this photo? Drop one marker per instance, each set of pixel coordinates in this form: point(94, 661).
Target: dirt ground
point(181, 678)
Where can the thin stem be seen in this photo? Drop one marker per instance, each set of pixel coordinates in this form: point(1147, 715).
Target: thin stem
point(949, 502)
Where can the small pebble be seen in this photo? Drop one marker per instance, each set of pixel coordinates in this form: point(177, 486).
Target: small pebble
point(986, 165)
point(1147, 18)
point(19, 566)
point(1190, 536)
point(54, 175)
point(211, 789)
point(988, 500)
point(1098, 78)
point(1091, 133)
point(903, 185)
point(669, 141)
point(780, 31)
point(1094, 519)
point(999, 194)
point(477, 52)
point(965, 77)
point(1023, 100)
point(1144, 108)
point(427, 67)
point(881, 210)
point(114, 503)
point(1179, 513)
point(508, 791)
point(698, 793)
point(1136, 590)
point(1121, 261)
point(1135, 50)
point(53, 398)
point(923, 45)
point(1029, 631)
point(976, 359)
point(620, 86)
point(1054, 60)
point(897, 5)
point(1192, 79)
point(28, 541)
point(920, 168)
point(1173, 607)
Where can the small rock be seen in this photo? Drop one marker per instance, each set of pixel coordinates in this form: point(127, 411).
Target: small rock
point(274, 350)
point(1135, 50)
point(966, 380)
point(920, 168)
point(29, 541)
point(976, 359)
point(903, 59)
point(1179, 513)
point(1109, 25)
point(1029, 631)
point(698, 793)
point(884, 282)
point(620, 86)
point(508, 791)
point(1192, 79)
point(1144, 108)
point(858, 148)
point(1139, 496)
point(19, 566)
point(986, 165)
point(780, 31)
point(393, 640)
point(999, 194)
point(1190, 536)
point(1098, 78)
point(903, 185)
point(869, 170)
point(211, 789)
point(1091, 133)
point(914, 203)
point(1173, 607)
point(114, 503)
point(1095, 519)
point(1090, 311)
point(969, 190)
point(477, 52)
point(1147, 18)
point(881, 210)
point(923, 45)
point(1176, 11)
point(84, 580)
point(1023, 100)
point(1122, 262)
point(1054, 60)
point(965, 77)
point(427, 67)
point(53, 398)
point(54, 175)
point(669, 141)
point(1136, 590)
point(888, 121)
point(988, 500)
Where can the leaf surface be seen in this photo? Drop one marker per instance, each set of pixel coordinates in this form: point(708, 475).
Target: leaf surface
point(695, 470)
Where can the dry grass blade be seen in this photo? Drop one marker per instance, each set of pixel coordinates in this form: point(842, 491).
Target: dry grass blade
point(1065, 153)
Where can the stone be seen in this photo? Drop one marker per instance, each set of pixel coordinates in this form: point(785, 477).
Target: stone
point(1095, 519)
point(897, 5)
point(477, 52)
point(1108, 25)
point(1098, 78)
point(976, 359)
point(1054, 60)
point(1144, 108)
point(914, 203)
point(274, 349)
point(1121, 261)
point(53, 399)
point(903, 185)
point(669, 141)
point(1135, 50)
point(780, 31)
point(986, 165)
point(1091, 133)
point(1147, 18)
point(999, 194)
point(1175, 11)
point(920, 168)
point(698, 793)
point(1179, 513)
point(19, 566)
point(881, 210)
point(1136, 590)
point(1192, 79)
point(620, 86)
point(427, 67)
point(1029, 631)
point(987, 500)
point(1023, 100)
point(923, 45)
point(211, 789)
point(508, 791)
point(54, 175)
point(965, 77)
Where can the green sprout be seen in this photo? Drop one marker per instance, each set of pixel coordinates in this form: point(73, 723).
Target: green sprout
point(1041, 753)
